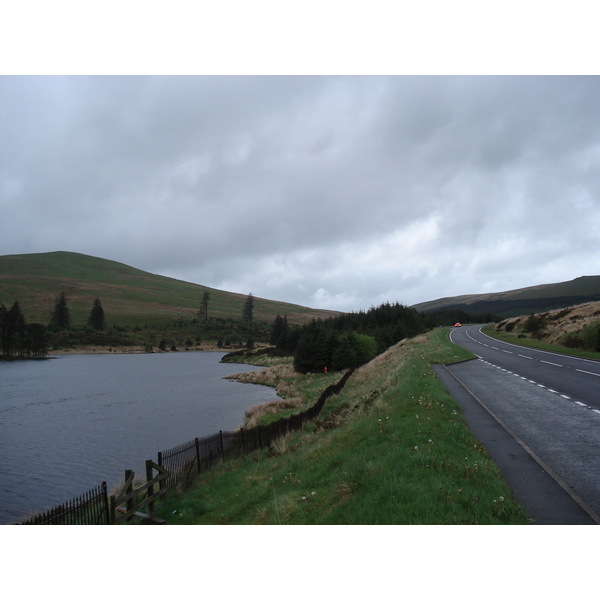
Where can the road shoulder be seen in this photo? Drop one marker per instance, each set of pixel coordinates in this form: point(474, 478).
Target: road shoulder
point(540, 494)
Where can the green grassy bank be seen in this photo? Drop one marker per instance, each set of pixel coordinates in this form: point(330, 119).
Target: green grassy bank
point(391, 448)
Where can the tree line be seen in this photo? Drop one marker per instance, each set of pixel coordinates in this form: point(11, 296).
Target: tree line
point(347, 340)
point(20, 339)
point(351, 339)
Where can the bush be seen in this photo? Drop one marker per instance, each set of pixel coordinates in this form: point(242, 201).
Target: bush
point(572, 340)
point(533, 323)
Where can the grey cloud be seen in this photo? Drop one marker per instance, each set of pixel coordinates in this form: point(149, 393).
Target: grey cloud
point(326, 190)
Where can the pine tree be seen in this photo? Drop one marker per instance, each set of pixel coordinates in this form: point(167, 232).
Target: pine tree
point(36, 334)
point(203, 312)
point(279, 331)
point(248, 310)
point(96, 319)
point(60, 319)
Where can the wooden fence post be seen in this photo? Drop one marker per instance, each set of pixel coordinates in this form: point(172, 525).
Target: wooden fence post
point(129, 474)
point(150, 491)
point(221, 439)
point(198, 455)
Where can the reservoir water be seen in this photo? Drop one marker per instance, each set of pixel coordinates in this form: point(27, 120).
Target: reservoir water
point(69, 423)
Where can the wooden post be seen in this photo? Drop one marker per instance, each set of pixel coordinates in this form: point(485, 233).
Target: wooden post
point(129, 474)
point(150, 492)
point(221, 439)
point(113, 510)
point(159, 462)
point(198, 455)
point(243, 443)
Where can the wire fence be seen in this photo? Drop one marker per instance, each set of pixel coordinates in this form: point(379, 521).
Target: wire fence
point(178, 467)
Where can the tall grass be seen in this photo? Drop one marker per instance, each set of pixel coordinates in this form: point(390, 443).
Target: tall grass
point(391, 448)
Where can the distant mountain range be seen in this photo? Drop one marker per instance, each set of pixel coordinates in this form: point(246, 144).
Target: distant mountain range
point(139, 298)
point(522, 301)
point(128, 295)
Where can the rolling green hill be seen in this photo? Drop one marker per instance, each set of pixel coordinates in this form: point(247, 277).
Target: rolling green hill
point(522, 301)
point(128, 295)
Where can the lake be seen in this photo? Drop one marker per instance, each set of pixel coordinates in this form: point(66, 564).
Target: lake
point(71, 422)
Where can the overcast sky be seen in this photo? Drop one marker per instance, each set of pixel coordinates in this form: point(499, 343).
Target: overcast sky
point(329, 192)
point(337, 192)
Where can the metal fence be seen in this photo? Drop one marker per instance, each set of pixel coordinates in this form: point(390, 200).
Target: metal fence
point(91, 508)
point(181, 464)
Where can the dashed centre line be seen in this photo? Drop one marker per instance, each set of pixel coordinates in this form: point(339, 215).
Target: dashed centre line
point(551, 363)
point(543, 386)
point(588, 372)
point(523, 356)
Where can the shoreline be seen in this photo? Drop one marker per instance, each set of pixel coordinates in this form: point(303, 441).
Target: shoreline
point(133, 350)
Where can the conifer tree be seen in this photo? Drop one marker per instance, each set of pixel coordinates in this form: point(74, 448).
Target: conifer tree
point(248, 310)
point(203, 312)
point(279, 330)
point(96, 319)
point(60, 319)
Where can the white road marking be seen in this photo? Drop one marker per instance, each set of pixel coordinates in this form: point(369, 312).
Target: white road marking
point(507, 351)
point(566, 397)
point(551, 363)
point(580, 403)
point(588, 372)
point(523, 356)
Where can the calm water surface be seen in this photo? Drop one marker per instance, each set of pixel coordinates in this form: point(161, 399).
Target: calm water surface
point(70, 423)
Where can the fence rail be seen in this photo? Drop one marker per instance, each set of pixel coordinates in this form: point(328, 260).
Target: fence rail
point(176, 467)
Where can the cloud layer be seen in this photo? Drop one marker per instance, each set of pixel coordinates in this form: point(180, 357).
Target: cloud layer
point(333, 192)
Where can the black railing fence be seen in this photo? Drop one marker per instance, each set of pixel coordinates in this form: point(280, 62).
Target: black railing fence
point(91, 508)
point(179, 466)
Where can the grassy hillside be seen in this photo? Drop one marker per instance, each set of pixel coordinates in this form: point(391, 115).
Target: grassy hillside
point(391, 448)
point(129, 296)
point(512, 303)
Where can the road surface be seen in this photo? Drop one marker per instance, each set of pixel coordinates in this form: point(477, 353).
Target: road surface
point(541, 424)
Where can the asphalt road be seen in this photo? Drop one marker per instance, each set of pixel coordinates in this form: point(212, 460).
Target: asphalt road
point(573, 378)
point(538, 413)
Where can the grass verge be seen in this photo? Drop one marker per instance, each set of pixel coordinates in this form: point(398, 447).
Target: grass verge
point(391, 448)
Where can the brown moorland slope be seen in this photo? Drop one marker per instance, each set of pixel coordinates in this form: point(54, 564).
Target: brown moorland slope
point(574, 327)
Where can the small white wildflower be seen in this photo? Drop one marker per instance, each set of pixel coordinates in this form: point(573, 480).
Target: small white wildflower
point(313, 493)
point(304, 498)
point(431, 441)
point(416, 447)
point(501, 498)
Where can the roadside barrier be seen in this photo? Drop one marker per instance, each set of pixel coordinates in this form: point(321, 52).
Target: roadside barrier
point(176, 467)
